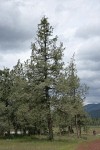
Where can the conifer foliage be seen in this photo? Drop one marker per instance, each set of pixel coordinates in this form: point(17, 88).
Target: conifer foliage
point(41, 93)
point(46, 60)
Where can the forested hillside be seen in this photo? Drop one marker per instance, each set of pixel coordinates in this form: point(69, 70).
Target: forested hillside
point(93, 110)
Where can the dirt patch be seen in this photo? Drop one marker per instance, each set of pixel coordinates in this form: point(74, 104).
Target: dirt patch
point(94, 145)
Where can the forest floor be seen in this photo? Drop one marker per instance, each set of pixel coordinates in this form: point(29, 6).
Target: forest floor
point(93, 145)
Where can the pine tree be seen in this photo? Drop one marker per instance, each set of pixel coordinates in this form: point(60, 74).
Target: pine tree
point(19, 98)
point(70, 99)
point(5, 104)
point(45, 69)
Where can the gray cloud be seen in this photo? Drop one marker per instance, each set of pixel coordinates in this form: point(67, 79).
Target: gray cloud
point(1, 58)
point(90, 50)
point(76, 22)
point(88, 31)
point(13, 34)
point(16, 29)
point(15, 47)
point(93, 82)
point(88, 63)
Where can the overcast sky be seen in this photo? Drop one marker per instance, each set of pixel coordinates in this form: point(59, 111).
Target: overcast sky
point(76, 22)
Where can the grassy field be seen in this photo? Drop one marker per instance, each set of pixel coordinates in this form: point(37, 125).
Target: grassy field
point(34, 143)
point(37, 145)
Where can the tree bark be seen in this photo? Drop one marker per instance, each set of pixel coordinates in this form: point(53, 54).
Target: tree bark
point(50, 135)
point(77, 130)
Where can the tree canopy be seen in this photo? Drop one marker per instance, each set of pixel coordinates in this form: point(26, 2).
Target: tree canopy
point(42, 93)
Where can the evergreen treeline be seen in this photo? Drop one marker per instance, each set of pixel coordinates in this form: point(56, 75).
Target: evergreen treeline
point(41, 93)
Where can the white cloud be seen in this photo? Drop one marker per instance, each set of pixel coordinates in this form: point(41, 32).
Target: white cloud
point(10, 59)
point(76, 22)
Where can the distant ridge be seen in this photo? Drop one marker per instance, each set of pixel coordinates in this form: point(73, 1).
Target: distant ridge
point(93, 110)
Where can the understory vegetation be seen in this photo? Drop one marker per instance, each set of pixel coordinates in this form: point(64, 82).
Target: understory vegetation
point(39, 142)
point(42, 94)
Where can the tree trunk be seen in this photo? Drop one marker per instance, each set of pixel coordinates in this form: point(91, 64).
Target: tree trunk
point(50, 134)
point(8, 133)
point(24, 131)
point(49, 117)
point(77, 130)
point(16, 131)
point(80, 131)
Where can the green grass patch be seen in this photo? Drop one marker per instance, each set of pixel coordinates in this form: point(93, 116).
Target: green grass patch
point(41, 142)
point(33, 143)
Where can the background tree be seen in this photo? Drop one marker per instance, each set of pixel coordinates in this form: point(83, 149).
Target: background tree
point(72, 94)
point(5, 104)
point(18, 94)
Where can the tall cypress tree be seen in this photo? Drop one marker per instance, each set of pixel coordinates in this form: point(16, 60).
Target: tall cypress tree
point(45, 69)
